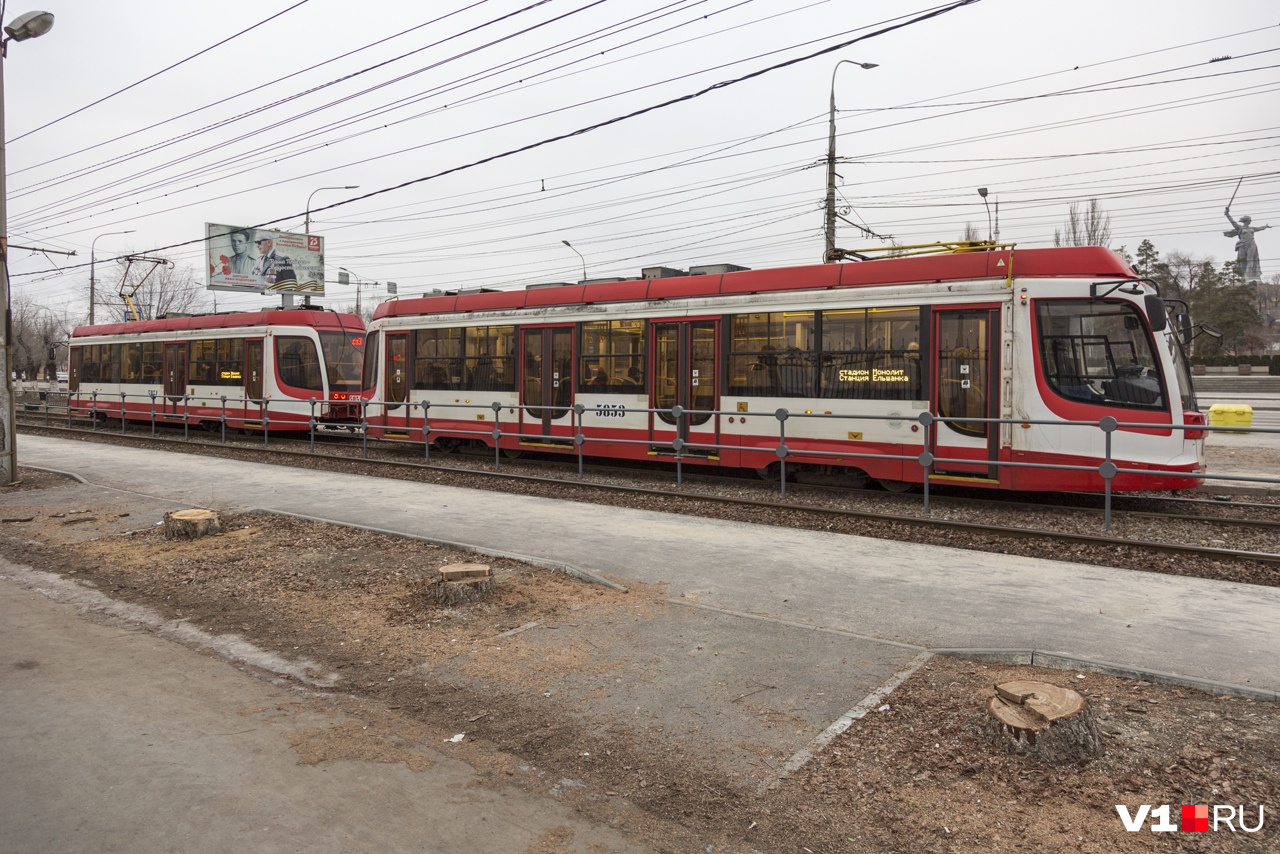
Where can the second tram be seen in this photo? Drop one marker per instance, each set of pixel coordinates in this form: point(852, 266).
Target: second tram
point(273, 369)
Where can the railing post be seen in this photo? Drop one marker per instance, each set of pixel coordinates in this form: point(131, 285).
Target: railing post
point(223, 419)
point(93, 412)
point(926, 458)
point(497, 434)
point(677, 412)
point(186, 417)
point(579, 438)
point(122, 397)
point(152, 392)
point(311, 427)
point(1107, 469)
point(782, 450)
point(426, 432)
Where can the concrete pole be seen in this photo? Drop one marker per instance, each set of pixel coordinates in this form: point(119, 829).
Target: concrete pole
point(8, 450)
point(830, 229)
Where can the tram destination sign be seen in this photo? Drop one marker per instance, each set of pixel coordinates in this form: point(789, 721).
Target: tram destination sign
point(262, 261)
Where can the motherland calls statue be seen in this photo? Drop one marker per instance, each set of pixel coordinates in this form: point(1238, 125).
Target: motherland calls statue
point(1247, 263)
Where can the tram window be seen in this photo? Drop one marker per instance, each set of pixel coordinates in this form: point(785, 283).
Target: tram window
point(489, 362)
point(230, 363)
point(872, 354)
point(298, 362)
point(773, 354)
point(611, 359)
point(1098, 352)
point(437, 359)
point(202, 361)
point(370, 378)
point(152, 361)
point(343, 359)
point(101, 363)
point(131, 369)
point(96, 365)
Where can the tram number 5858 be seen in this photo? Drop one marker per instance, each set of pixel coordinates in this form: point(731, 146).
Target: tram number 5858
point(610, 410)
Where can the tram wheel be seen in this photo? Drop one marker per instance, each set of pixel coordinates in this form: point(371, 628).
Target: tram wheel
point(769, 472)
point(448, 444)
point(897, 486)
point(512, 453)
point(854, 477)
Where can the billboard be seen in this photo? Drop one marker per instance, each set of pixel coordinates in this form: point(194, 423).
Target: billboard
point(264, 261)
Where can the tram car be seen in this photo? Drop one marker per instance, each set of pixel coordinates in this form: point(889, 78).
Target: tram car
point(257, 370)
point(830, 367)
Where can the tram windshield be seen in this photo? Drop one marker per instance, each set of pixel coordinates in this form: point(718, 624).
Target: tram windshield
point(343, 359)
point(1099, 352)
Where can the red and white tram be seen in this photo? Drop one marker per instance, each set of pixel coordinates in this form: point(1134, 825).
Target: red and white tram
point(259, 369)
point(854, 353)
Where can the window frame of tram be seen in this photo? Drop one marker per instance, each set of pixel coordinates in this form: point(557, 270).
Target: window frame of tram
point(1095, 376)
point(611, 353)
point(833, 354)
point(298, 368)
point(372, 358)
point(463, 358)
point(215, 361)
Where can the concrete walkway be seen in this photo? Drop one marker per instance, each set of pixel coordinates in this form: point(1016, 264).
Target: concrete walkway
point(904, 593)
point(114, 740)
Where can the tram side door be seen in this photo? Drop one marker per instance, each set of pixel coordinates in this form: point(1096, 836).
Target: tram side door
point(397, 373)
point(546, 386)
point(175, 374)
point(966, 383)
point(684, 375)
point(253, 353)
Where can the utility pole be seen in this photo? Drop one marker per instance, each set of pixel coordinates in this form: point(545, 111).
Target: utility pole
point(828, 256)
point(24, 27)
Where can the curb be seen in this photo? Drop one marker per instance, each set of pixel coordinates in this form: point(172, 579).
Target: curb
point(1064, 661)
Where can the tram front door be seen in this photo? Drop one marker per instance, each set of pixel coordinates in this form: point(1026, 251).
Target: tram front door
point(966, 385)
point(684, 375)
point(546, 388)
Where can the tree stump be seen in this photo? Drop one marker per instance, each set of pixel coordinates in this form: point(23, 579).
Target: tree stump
point(191, 524)
point(1043, 721)
point(460, 583)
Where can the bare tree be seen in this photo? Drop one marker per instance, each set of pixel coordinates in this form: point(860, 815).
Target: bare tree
point(1085, 227)
point(37, 332)
point(970, 233)
point(167, 290)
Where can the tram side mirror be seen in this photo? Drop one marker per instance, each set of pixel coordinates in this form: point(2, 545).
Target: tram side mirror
point(1156, 313)
point(1184, 324)
point(1211, 330)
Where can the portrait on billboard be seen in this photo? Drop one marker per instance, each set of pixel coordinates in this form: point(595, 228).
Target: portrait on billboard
point(257, 260)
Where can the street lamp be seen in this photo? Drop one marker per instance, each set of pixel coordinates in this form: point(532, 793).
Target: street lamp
point(359, 279)
point(93, 261)
point(23, 27)
point(982, 191)
point(307, 226)
point(829, 255)
point(584, 260)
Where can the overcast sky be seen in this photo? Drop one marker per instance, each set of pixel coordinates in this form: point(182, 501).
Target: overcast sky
point(157, 117)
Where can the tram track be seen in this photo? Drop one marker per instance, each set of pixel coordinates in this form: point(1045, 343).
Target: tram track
point(746, 500)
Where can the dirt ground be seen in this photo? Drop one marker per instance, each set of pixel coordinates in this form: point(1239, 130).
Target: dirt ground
point(918, 773)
